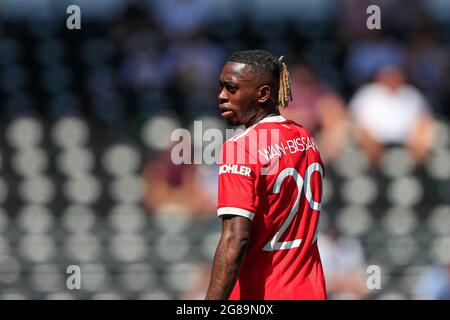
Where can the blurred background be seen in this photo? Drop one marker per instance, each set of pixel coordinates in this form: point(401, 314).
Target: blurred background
point(86, 117)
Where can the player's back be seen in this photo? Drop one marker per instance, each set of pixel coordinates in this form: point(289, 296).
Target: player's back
point(282, 259)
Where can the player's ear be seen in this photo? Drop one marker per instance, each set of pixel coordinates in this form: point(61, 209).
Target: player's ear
point(264, 93)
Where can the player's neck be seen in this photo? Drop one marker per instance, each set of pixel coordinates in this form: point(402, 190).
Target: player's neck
point(261, 115)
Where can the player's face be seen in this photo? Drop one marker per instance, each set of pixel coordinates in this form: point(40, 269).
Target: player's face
point(238, 97)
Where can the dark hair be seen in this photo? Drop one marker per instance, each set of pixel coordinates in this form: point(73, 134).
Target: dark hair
point(261, 61)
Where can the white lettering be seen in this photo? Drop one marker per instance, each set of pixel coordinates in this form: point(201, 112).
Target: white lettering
point(193, 310)
point(74, 280)
point(74, 20)
point(292, 146)
point(374, 21)
point(235, 169)
point(374, 280)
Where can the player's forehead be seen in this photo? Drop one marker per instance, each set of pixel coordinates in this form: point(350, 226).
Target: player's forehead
point(236, 72)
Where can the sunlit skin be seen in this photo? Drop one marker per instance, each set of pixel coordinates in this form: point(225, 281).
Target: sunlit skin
point(245, 97)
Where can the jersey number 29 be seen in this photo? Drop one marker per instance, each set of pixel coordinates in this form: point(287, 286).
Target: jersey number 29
point(302, 184)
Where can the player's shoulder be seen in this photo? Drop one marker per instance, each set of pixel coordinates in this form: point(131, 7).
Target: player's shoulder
point(255, 131)
point(248, 142)
point(235, 149)
point(296, 127)
point(290, 128)
point(268, 129)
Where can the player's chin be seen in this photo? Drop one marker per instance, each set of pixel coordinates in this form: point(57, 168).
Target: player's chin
point(233, 122)
point(230, 118)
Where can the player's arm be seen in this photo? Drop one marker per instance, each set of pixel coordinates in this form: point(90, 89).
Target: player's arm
point(228, 257)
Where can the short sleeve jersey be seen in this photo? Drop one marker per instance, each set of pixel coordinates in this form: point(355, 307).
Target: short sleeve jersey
point(272, 174)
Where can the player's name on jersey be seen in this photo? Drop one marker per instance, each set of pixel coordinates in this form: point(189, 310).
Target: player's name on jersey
point(236, 169)
point(290, 146)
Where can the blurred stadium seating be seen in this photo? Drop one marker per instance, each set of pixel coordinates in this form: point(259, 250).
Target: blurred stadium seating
point(83, 113)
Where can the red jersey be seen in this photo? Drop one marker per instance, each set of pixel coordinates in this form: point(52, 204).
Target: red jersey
point(272, 173)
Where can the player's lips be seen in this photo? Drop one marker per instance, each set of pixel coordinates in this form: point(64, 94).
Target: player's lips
point(224, 110)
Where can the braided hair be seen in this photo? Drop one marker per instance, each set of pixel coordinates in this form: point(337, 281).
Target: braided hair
point(261, 61)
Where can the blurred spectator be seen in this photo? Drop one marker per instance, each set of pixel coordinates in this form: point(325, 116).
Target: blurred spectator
point(434, 283)
point(317, 107)
point(351, 19)
point(344, 266)
point(182, 18)
point(144, 67)
point(141, 46)
point(390, 112)
point(367, 56)
point(428, 67)
point(168, 183)
point(196, 62)
point(195, 67)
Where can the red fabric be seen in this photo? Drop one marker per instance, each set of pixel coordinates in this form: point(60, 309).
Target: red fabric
point(270, 269)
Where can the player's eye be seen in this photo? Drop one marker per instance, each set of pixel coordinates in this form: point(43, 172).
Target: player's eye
point(231, 88)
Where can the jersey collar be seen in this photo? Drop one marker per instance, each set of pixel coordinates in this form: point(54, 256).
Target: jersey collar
point(277, 118)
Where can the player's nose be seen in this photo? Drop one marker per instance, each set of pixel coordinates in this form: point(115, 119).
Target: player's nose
point(222, 97)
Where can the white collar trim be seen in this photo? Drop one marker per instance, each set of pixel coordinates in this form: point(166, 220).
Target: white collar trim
point(278, 118)
point(271, 119)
